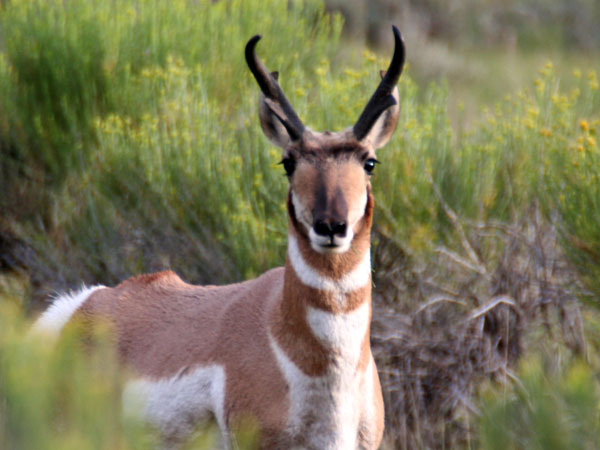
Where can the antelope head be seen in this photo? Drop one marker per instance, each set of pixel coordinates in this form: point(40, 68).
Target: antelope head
point(329, 173)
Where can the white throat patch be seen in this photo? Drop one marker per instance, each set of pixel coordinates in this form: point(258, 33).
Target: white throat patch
point(342, 333)
point(351, 281)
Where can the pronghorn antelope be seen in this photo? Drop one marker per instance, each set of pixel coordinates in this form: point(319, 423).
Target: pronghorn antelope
point(289, 349)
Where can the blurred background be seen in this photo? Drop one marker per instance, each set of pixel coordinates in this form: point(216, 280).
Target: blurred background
point(483, 49)
point(130, 143)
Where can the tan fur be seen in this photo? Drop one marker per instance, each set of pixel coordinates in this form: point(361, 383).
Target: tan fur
point(164, 326)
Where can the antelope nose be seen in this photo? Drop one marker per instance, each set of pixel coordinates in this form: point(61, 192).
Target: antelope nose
point(330, 228)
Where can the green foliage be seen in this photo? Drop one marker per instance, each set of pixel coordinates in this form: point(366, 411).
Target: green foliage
point(56, 67)
point(169, 109)
point(54, 397)
point(551, 407)
point(152, 126)
point(536, 148)
point(146, 114)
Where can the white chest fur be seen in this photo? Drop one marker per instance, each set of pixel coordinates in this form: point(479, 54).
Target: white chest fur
point(342, 333)
point(325, 411)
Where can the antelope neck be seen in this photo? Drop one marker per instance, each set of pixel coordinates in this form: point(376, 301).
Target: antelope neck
point(326, 303)
point(324, 314)
point(331, 282)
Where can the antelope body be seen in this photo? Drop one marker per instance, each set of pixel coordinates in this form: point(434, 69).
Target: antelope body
point(289, 349)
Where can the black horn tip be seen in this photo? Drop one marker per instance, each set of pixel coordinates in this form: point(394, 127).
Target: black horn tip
point(383, 97)
point(250, 46)
point(253, 40)
point(399, 51)
point(257, 68)
point(397, 34)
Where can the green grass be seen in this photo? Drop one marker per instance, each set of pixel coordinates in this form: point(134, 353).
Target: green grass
point(52, 396)
point(553, 406)
point(145, 139)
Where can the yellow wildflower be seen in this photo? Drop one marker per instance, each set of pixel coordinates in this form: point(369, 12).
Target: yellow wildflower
point(584, 125)
point(546, 132)
point(540, 85)
point(369, 56)
point(574, 94)
point(592, 79)
point(591, 141)
point(528, 122)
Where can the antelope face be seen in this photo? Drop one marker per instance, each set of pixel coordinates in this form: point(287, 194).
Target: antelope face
point(329, 173)
point(329, 185)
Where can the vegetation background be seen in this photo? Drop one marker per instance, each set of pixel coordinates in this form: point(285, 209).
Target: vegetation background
point(129, 142)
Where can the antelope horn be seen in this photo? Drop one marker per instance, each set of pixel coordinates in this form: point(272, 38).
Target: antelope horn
point(382, 98)
point(275, 99)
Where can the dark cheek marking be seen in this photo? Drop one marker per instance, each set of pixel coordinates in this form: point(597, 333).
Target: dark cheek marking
point(291, 209)
point(292, 214)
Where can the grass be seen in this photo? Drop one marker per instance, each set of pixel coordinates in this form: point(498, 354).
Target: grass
point(52, 396)
point(129, 142)
point(554, 406)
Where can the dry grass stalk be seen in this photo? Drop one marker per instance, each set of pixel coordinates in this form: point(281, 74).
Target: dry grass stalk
point(444, 326)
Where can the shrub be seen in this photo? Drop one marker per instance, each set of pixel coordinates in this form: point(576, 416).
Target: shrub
point(554, 406)
point(54, 397)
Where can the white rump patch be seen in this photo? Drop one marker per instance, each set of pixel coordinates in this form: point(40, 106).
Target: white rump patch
point(61, 310)
point(351, 281)
point(179, 405)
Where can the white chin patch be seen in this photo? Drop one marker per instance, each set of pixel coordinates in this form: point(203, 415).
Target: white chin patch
point(325, 244)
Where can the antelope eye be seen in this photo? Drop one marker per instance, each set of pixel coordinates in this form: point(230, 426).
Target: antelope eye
point(370, 165)
point(289, 165)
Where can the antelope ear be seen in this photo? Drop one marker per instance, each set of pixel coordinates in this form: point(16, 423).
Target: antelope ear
point(383, 128)
point(273, 119)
